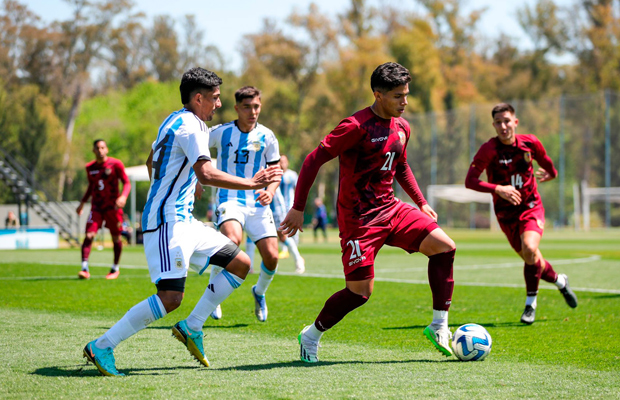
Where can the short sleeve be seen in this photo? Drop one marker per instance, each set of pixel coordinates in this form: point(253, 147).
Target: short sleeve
point(194, 141)
point(272, 148)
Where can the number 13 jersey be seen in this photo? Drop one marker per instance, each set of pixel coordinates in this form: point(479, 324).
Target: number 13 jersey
point(243, 155)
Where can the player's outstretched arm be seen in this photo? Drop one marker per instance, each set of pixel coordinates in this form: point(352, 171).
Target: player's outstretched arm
point(207, 174)
point(292, 223)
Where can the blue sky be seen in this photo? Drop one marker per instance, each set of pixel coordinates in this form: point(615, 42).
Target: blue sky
point(225, 22)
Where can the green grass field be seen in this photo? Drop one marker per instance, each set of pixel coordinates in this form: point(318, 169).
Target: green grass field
point(378, 351)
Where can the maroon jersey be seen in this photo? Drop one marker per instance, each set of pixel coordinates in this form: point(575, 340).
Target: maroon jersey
point(370, 148)
point(103, 182)
point(510, 165)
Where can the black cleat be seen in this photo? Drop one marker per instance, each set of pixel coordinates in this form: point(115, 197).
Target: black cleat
point(529, 314)
point(569, 295)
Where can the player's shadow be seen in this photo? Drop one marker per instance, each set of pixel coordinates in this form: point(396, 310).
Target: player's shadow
point(301, 364)
point(456, 325)
point(235, 326)
point(81, 371)
point(606, 296)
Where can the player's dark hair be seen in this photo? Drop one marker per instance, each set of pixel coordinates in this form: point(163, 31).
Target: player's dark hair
point(246, 92)
point(388, 76)
point(97, 141)
point(502, 107)
point(196, 79)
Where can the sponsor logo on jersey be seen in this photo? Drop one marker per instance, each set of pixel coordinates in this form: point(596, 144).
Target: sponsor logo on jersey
point(378, 139)
point(95, 172)
point(504, 161)
point(403, 137)
point(357, 260)
point(527, 157)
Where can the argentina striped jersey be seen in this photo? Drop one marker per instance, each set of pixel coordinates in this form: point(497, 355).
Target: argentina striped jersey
point(182, 140)
point(243, 154)
point(287, 186)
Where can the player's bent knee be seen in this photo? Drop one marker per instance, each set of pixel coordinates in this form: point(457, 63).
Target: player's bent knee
point(171, 299)
point(240, 265)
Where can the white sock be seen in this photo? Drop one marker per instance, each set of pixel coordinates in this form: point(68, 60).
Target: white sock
point(292, 246)
point(250, 248)
point(313, 333)
point(84, 265)
point(561, 281)
point(264, 279)
point(531, 301)
point(136, 319)
point(114, 267)
point(440, 319)
point(219, 288)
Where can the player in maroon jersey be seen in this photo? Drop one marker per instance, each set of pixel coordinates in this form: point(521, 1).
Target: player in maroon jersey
point(104, 174)
point(371, 146)
point(507, 159)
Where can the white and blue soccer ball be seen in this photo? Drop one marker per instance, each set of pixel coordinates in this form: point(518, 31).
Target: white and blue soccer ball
point(471, 342)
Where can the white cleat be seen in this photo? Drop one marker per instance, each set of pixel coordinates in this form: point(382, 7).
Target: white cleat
point(308, 348)
point(300, 266)
point(217, 313)
point(440, 338)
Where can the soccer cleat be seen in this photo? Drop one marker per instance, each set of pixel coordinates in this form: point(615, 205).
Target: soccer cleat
point(112, 274)
point(284, 254)
point(102, 358)
point(569, 295)
point(300, 266)
point(529, 315)
point(192, 340)
point(217, 313)
point(83, 274)
point(260, 306)
point(440, 338)
point(308, 348)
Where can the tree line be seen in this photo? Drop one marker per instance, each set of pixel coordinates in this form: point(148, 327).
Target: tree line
point(109, 71)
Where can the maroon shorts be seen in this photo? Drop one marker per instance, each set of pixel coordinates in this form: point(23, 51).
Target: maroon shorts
point(113, 221)
point(532, 219)
point(406, 227)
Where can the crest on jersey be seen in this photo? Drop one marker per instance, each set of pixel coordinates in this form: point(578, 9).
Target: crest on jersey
point(403, 137)
point(108, 171)
point(527, 157)
point(256, 145)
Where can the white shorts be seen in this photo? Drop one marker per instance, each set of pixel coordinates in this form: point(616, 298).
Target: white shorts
point(257, 221)
point(176, 246)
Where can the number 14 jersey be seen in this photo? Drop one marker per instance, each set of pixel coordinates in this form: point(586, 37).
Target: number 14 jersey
point(512, 165)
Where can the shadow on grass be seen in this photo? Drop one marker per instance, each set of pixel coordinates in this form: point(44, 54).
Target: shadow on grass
point(206, 327)
point(485, 324)
point(301, 364)
point(81, 371)
point(606, 296)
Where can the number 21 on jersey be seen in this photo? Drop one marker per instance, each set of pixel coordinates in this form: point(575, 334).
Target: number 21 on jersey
point(517, 181)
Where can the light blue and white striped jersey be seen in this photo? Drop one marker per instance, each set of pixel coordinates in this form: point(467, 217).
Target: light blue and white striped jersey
point(182, 140)
point(243, 154)
point(287, 186)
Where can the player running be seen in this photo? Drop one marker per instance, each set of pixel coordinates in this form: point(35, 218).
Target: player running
point(173, 239)
point(244, 146)
point(371, 146)
point(104, 175)
point(507, 158)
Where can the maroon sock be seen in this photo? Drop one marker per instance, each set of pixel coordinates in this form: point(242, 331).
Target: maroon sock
point(549, 274)
point(336, 307)
point(532, 273)
point(118, 247)
point(440, 267)
point(86, 247)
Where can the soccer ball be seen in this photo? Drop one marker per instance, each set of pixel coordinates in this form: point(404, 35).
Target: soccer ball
point(471, 342)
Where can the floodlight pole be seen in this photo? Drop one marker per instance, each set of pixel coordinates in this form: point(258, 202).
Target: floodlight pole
point(562, 157)
point(607, 159)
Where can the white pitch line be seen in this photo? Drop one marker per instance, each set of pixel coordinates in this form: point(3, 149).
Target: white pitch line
point(340, 276)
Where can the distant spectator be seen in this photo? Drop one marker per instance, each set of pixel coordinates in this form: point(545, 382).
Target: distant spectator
point(320, 218)
point(126, 229)
point(11, 221)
